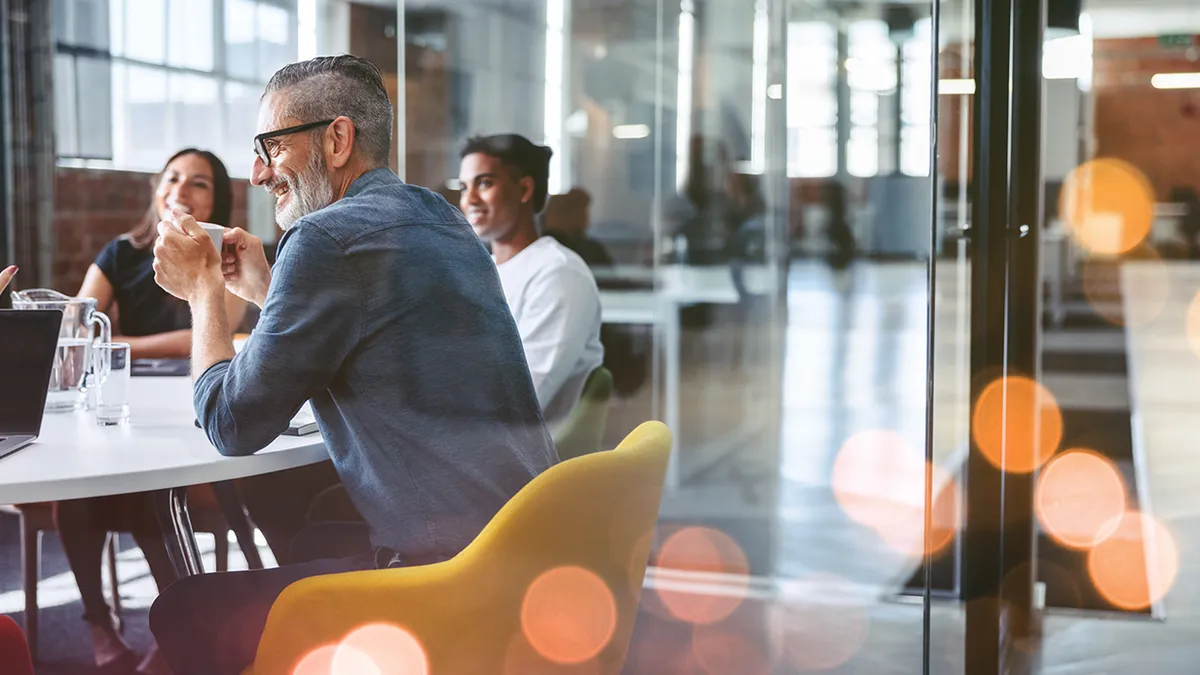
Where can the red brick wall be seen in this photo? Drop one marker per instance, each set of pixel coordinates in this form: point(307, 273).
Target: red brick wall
point(93, 206)
point(954, 63)
point(1156, 130)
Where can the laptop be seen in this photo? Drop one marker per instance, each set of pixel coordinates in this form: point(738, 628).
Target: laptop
point(28, 341)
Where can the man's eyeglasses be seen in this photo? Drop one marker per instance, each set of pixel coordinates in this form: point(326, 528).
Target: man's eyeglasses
point(260, 141)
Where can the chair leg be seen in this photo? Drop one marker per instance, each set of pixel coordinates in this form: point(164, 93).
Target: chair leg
point(222, 550)
point(235, 514)
point(31, 559)
point(112, 576)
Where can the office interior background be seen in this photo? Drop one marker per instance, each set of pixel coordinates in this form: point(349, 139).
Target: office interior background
point(824, 216)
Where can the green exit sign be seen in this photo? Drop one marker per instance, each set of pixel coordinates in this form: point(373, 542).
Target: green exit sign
point(1177, 40)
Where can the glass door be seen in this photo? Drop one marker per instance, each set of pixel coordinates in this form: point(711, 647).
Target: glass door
point(991, 403)
point(761, 177)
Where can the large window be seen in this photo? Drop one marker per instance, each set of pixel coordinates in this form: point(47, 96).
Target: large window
point(812, 99)
point(136, 80)
point(812, 108)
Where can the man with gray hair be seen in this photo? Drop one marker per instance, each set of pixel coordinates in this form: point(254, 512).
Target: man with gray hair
point(383, 309)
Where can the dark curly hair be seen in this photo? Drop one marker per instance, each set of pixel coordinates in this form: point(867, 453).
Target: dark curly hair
point(520, 154)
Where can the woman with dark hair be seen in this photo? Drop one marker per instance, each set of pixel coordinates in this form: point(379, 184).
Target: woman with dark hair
point(156, 325)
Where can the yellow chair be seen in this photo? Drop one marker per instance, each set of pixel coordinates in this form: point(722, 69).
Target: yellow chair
point(582, 433)
point(596, 512)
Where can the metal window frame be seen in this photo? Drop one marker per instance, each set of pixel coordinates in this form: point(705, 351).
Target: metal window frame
point(219, 74)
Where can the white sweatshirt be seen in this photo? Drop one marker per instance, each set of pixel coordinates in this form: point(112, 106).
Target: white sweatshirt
point(553, 297)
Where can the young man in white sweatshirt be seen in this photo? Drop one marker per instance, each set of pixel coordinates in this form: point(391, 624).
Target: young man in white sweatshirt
point(549, 288)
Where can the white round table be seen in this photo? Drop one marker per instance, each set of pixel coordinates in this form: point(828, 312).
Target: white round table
point(160, 451)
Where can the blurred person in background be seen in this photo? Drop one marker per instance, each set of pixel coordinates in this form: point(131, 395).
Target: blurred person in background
point(550, 290)
point(156, 325)
point(842, 248)
point(695, 216)
point(567, 218)
point(745, 218)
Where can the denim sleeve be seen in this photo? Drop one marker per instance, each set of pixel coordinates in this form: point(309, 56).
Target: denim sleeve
point(309, 325)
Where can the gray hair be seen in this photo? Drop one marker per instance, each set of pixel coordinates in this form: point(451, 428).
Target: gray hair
point(331, 86)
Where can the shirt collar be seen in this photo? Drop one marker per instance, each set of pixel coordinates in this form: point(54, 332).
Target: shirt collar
point(373, 178)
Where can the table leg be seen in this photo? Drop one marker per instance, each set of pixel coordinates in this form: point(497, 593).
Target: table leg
point(171, 508)
point(234, 511)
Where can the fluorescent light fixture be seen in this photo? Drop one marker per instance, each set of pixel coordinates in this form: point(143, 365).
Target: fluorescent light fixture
point(683, 92)
point(552, 116)
point(758, 87)
point(1176, 81)
point(956, 87)
point(775, 92)
point(306, 29)
point(628, 132)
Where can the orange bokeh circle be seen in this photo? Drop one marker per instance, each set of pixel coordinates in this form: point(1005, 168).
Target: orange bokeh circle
point(1136, 565)
point(1108, 204)
point(879, 481)
point(704, 550)
point(568, 615)
point(1016, 424)
point(1079, 495)
point(520, 658)
point(393, 650)
point(719, 652)
point(317, 662)
point(1193, 325)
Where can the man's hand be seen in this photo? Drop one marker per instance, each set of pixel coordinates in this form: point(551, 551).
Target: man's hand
point(186, 264)
point(6, 276)
point(244, 265)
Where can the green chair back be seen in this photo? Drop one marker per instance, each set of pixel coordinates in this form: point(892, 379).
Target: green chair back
point(583, 431)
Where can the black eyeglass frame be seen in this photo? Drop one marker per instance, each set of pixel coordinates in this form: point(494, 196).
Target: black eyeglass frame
point(260, 141)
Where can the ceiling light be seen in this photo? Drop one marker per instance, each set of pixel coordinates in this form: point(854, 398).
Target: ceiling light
point(1176, 81)
point(631, 131)
point(956, 87)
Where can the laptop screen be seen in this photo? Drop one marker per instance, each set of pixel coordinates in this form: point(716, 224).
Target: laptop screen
point(28, 340)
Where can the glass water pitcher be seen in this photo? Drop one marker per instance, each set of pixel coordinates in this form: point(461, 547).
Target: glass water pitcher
point(73, 366)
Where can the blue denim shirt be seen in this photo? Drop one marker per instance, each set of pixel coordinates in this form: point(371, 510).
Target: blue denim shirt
point(387, 312)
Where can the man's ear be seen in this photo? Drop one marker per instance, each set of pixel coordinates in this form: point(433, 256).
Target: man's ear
point(339, 142)
point(526, 184)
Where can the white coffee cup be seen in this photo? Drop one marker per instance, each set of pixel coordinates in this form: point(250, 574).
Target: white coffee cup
point(216, 233)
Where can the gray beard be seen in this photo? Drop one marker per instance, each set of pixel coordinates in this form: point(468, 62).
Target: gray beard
point(310, 190)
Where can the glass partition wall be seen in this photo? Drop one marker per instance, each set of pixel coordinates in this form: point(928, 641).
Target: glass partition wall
point(758, 175)
point(909, 281)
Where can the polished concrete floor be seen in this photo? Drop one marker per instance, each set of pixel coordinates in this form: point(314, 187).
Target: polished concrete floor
point(769, 401)
point(854, 361)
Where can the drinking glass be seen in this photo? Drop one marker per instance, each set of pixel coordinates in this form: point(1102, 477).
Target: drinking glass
point(112, 365)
